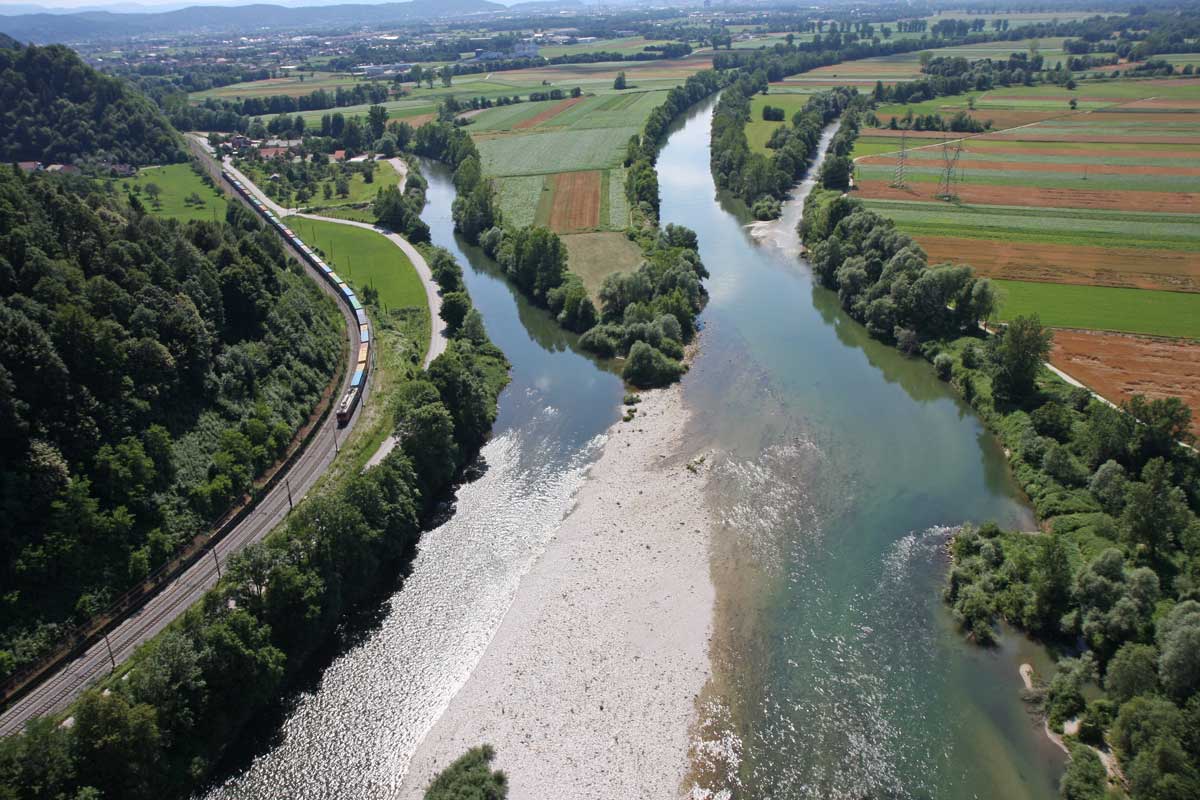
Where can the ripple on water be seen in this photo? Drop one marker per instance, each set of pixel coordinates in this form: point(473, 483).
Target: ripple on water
point(354, 734)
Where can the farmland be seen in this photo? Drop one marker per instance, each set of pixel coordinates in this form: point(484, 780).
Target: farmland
point(177, 183)
point(1085, 212)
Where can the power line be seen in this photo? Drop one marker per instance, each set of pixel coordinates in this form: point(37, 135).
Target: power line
point(950, 163)
point(901, 160)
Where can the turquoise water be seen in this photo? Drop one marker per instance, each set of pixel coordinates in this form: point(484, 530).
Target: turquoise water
point(838, 671)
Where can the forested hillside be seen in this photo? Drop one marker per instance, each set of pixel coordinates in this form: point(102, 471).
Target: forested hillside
point(148, 372)
point(55, 108)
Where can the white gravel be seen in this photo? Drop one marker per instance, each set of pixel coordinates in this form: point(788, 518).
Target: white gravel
point(588, 689)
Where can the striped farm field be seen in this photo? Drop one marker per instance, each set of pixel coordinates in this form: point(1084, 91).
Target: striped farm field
point(542, 152)
point(547, 113)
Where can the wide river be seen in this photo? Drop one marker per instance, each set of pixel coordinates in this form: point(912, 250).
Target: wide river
point(837, 671)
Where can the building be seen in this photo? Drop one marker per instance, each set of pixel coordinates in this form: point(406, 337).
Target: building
point(381, 70)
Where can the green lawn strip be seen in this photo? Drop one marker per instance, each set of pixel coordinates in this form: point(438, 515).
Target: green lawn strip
point(1063, 226)
point(1157, 313)
point(618, 203)
point(545, 200)
point(1044, 180)
point(605, 198)
point(366, 258)
point(1123, 158)
point(349, 212)
point(177, 182)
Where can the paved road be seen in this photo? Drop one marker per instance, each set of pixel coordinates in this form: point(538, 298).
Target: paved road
point(56, 692)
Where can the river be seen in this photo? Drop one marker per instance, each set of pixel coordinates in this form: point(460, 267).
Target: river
point(837, 670)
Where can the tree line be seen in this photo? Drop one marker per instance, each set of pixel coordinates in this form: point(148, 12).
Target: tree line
point(150, 372)
point(187, 693)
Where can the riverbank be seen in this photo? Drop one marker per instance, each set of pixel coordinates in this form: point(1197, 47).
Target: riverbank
point(589, 687)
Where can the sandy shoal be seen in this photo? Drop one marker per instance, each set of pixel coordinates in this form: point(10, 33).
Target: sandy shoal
point(589, 687)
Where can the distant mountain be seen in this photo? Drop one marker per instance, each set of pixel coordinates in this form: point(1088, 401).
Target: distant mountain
point(102, 25)
point(8, 41)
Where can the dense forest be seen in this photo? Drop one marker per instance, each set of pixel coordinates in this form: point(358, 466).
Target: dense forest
point(1112, 581)
point(58, 109)
point(148, 372)
point(184, 696)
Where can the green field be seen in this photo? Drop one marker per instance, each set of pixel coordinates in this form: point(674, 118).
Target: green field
point(1083, 227)
point(627, 109)
point(365, 258)
point(1157, 313)
point(519, 197)
point(503, 118)
point(177, 182)
point(539, 153)
point(759, 130)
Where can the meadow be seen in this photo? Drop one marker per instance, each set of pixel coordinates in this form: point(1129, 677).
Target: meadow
point(365, 258)
point(177, 182)
point(759, 130)
point(1157, 313)
point(360, 191)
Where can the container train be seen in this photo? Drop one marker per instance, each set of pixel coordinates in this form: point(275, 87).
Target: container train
point(358, 382)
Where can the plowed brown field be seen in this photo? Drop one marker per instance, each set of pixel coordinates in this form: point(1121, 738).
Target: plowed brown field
point(576, 202)
point(1169, 202)
point(1175, 270)
point(550, 113)
point(1119, 365)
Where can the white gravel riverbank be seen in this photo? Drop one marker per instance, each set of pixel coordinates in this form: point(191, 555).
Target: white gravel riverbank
point(588, 689)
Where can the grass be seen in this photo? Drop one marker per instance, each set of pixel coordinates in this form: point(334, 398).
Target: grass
point(1157, 313)
point(502, 118)
point(365, 258)
point(595, 256)
point(759, 130)
point(178, 181)
point(543, 152)
point(1084, 227)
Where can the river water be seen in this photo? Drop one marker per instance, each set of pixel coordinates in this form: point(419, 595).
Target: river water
point(837, 671)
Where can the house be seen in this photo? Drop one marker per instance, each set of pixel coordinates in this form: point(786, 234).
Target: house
point(63, 169)
point(29, 166)
point(337, 155)
point(272, 152)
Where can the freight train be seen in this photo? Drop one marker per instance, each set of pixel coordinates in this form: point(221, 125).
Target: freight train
point(358, 383)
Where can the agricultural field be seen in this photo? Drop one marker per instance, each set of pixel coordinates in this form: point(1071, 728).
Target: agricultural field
point(540, 152)
point(301, 83)
point(907, 66)
point(595, 256)
point(365, 258)
point(1088, 216)
point(176, 183)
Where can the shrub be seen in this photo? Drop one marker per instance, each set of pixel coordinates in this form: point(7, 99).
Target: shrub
point(766, 208)
point(648, 367)
point(943, 365)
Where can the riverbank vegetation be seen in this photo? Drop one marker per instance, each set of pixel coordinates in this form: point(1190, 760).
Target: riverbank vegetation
point(153, 370)
point(470, 777)
point(160, 724)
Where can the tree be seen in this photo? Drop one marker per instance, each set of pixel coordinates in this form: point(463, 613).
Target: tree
point(1179, 641)
point(1085, 778)
point(1017, 354)
point(116, 744)
point(455, 306)
point(1165, 422)
point(377, 121)
point(447, 74)
point(647, 367)
point(426, 434)
point(1132, 671)
point(1156, 510)
point(836, 172)
point(154, 192)
point(470, 777)
point(1052, 581)
point(619, 82)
